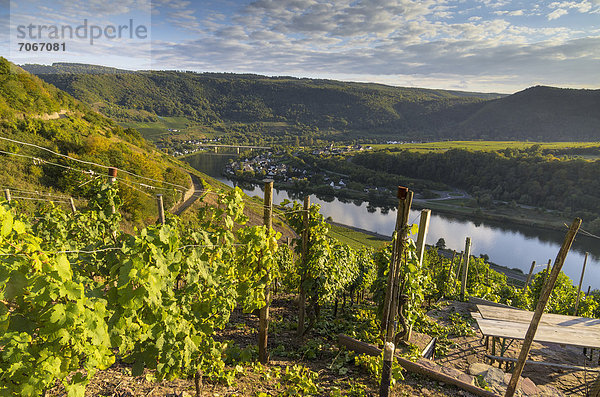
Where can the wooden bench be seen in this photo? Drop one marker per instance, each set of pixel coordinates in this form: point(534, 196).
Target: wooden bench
point(553, 365)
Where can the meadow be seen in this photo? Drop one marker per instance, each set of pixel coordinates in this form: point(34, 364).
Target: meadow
point(487, 146)
point(154, 130)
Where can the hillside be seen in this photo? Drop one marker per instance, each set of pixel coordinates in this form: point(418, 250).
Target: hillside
point(212, 98)
point(327, 109)
point(33, 112)
point(538, 113)
point(89, 307)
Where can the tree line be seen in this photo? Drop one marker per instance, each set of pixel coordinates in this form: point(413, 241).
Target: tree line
point(528, 177)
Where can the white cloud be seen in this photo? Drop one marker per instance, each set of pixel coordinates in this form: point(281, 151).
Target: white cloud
point(515, 13)
point(495, 3)
point(101, 8)
point(343, 18)
point(583, 6)
point(391, 40)
point(557, 14)
point(448, 43)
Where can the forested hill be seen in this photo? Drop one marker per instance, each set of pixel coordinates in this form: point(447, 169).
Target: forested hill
point(538, 113)
point(371, 110)
point(33, 112)
point(221, 97)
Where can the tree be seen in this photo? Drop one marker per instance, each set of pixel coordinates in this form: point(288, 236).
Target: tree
point(441, 244)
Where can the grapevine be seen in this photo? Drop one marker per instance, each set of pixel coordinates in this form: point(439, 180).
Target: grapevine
point(331, 268)
point(169, 290)
point(50, 327)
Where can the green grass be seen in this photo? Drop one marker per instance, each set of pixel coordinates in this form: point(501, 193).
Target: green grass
point(156, 129)
point(354, 238)
point(275, 124)
point(487, 146)
point(590, 157)
point(454, 202)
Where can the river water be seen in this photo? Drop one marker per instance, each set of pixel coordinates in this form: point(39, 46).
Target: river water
point(510, 245)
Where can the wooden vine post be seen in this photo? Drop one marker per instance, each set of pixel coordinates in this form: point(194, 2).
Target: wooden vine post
point(465, 268)
point(449, 272)
point(541, 305)
point(423, 229)
point(302, 298)
point(529, 275)
point(112, 173)
point(460, 258)
point(547, 270)
point(580, 282)
point(7, 195)
point(392, 298)
point(72, 203)
point(386, 371)
point(404, 202)
point(161, 208)
point(263, 318)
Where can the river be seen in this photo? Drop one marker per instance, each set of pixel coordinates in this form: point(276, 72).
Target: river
point(514, 246)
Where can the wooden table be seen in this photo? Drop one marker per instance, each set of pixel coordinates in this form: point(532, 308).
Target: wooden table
point(507, 324)
point(554, 320)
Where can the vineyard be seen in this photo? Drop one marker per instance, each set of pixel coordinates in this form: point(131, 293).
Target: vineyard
point(79, 295)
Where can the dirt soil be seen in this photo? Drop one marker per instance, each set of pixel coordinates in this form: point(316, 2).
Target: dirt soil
point(471, 349)
point(317, 352)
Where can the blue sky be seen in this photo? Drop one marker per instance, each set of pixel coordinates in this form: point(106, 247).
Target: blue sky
point(476, 45)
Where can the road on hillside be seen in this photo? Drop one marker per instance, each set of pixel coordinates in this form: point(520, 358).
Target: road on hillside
point(198, 190)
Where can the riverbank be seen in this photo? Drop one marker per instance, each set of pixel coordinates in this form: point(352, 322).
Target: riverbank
point(450, 203)
point(440, 199)
point(532, 217)
point(509, 234)
point(357, 237)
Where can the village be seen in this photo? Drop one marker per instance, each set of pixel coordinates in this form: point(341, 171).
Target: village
point(186, 147)
point(281, 168)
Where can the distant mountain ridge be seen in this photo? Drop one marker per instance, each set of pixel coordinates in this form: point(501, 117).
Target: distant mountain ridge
point(68, 68)
point(538, 113)
point(372, 110)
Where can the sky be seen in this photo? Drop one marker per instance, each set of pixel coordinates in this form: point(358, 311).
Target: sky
point(473, 45)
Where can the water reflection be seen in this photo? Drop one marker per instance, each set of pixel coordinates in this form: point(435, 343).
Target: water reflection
point(510, 245)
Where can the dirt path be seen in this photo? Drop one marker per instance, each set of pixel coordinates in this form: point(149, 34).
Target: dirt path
point(52, 116)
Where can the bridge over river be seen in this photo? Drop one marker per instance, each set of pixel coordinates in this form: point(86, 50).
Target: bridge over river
point(237, 147)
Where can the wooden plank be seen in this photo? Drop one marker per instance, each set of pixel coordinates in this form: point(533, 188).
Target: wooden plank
point(524, 316)
point(367, 348)
point(574, 336)
point(545, 364)
point(480, 301)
